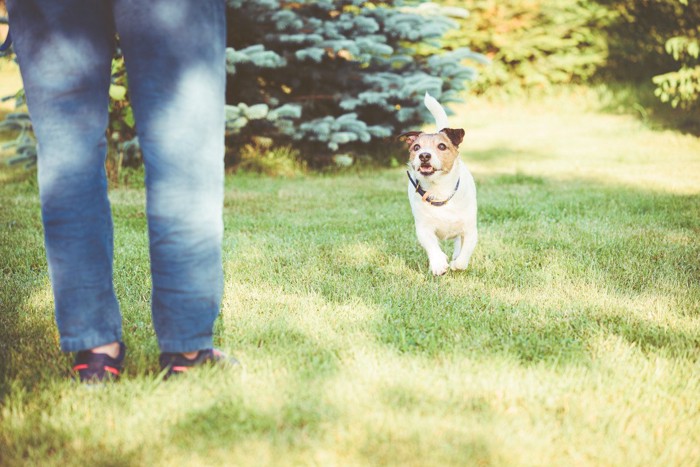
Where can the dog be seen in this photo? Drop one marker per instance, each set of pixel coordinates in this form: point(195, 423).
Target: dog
point(442, 192)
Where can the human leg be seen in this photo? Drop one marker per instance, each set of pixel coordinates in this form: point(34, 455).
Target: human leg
point(64, 50)
point(175, 57)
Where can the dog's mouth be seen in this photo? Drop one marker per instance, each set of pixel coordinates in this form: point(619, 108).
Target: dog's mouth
point(426, 169)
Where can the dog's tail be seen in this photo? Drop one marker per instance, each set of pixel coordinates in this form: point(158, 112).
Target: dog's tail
point(437, 111)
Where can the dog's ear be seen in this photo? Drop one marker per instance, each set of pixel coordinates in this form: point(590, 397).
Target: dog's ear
point(456, 135)
point(409, 137)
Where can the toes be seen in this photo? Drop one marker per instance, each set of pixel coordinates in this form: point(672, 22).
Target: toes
point(439, 270)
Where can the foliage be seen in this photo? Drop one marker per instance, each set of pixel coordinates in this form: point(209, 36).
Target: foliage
point(122, 127)
point(23, 145)
point(682, 87)
point(336, 77)
point(679, 88)
point(261, 157)
point(656, 40)
point(637, 34)
point(123, 147)
point(533, 44)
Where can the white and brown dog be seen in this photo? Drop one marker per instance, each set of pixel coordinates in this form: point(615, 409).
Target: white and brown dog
point(442, 192)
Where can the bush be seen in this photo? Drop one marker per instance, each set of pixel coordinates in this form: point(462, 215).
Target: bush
point(19, 125)
point(681, 88)
point(337, 77)
point(262, 158)
point(637, 35)
point(657, 40)
point(534, 45)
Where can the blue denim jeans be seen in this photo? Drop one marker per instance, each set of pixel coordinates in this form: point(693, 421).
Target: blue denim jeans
point(174, 52)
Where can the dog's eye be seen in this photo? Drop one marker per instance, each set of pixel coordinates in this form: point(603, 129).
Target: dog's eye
point(442, 147)
point(416, 147)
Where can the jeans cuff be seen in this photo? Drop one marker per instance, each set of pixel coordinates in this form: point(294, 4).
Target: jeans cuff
point(75, 344)
point(186, 345)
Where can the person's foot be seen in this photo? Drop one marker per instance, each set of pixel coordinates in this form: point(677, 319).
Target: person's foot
point(178, 363)
point(100, 364)
point(112, 349)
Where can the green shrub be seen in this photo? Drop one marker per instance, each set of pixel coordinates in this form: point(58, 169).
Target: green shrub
point(262, 158)
point(337, 76)
point(638, 32)
point(533, 44)
point(682, 87)
point(656, 41)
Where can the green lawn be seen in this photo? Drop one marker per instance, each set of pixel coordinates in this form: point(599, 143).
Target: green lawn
point(572, 339)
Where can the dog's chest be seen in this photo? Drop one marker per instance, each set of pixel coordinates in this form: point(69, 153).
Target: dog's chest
point(446, 221)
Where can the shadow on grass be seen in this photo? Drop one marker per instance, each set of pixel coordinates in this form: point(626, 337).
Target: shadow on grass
point(453, 449)
point(234, 421)
point(654, 338)
point(528, 333)
point(639, 100)
point(225, 423)
point(507, 330)
point(29, 343)
point(311, 359)
point(36, 442)
point(26, 319)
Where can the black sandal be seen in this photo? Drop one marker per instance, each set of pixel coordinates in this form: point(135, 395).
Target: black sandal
point(98, 367)
point(176, 363)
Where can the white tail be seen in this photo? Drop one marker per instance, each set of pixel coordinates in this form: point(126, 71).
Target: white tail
point(437, 111)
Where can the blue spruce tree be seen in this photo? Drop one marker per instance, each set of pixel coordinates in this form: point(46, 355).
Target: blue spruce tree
point(337, 76)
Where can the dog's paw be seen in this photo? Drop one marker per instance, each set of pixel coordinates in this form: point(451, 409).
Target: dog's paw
point(439, 266)
point(459, 265)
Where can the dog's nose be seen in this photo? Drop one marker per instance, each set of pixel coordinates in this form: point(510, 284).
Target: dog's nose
point(424, 157)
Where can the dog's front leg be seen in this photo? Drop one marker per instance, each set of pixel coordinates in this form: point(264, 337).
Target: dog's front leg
point(467, 243)
point(458, 247)
point(431, 244)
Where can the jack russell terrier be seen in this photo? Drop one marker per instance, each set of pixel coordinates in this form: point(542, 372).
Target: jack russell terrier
point(441, 192)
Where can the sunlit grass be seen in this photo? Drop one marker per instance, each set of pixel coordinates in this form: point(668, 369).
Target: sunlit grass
point(573, 339)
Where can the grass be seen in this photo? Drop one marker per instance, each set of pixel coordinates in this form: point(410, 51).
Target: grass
point(573, 339)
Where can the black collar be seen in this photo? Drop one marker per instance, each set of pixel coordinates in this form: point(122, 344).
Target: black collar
point(426, 195)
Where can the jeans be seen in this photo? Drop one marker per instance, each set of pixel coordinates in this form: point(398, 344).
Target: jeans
point(174, 52)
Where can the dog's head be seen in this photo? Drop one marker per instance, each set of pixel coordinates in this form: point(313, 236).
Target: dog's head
point(433, 153)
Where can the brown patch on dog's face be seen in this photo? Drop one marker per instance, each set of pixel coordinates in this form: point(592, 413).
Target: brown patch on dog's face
point(431, 153)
